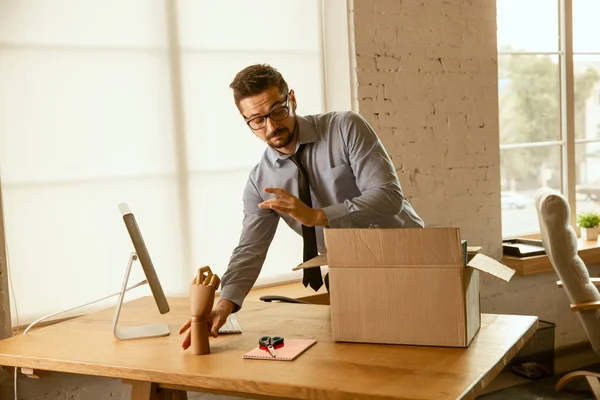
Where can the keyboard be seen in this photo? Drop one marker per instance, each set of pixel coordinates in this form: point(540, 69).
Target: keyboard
point(231, 325)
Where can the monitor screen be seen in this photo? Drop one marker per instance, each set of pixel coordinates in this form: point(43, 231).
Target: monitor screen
point(144, 257)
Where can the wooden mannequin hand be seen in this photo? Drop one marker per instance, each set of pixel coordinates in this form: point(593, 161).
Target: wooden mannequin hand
point(288, 203)
point(187, 340)
point(218, 317)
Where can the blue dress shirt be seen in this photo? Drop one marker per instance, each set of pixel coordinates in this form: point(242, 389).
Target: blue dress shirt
point(352, 178)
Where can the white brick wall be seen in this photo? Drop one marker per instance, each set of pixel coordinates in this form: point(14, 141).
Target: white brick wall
point(427, 82)
point(537, 295)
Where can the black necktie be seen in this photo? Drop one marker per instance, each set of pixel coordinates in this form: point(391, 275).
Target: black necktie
point(312, 276)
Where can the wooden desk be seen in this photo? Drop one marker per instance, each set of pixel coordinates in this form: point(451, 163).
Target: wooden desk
point(328, 370)
point(588, 251)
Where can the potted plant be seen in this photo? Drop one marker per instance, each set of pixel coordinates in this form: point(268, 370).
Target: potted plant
point(589, 222)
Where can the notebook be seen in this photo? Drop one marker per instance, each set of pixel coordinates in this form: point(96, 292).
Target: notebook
point(290, 350)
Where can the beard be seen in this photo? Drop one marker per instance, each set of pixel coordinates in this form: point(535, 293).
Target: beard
point(280, 138)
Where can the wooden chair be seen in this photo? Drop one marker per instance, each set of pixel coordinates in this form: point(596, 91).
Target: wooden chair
point(560, 241)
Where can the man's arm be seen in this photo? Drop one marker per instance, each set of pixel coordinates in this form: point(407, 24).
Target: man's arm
point(258, 229)
point(375, 174)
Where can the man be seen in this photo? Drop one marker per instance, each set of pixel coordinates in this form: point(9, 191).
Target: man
point(334, 162)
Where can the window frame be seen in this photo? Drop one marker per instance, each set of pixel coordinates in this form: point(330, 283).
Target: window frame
point(336, 78)
point(567, 141)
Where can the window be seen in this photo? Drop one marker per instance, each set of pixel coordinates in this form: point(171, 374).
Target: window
point(116, 101)
point(548, 79)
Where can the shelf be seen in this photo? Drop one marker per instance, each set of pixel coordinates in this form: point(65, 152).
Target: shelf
point(588, 251)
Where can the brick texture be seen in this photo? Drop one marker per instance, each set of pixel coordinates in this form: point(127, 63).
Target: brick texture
point(427, 81)
point(537, 295)
point(426, 75)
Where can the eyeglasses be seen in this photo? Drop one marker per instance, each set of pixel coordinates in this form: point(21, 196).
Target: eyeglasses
point(278, 114)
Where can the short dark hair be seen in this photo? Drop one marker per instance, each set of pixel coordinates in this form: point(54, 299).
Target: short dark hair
point(254, 80)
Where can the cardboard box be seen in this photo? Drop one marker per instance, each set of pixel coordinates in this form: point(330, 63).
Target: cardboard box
point(404, 286)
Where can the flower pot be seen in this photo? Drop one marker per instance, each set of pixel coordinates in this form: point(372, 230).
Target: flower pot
point(589, 233)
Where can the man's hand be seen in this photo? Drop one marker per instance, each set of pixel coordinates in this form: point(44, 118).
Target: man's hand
point(291, 205)
point(218, 317)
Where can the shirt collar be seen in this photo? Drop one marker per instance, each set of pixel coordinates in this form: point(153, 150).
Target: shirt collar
point(306, 134)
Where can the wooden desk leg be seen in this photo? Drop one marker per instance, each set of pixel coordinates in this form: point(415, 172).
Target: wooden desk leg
point(144, 391)
point(172, 394)
point(151, 391)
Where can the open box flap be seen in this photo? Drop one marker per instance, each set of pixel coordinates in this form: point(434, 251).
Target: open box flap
point(490, 266)
point(318, 261)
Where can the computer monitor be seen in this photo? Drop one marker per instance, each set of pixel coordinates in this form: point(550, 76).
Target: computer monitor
point(141, 253)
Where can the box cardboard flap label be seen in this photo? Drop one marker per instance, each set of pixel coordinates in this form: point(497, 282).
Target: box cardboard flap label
point(490, 266)
point(317, 261)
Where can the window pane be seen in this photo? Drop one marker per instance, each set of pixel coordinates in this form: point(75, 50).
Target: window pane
point(131, 23)
point(212, 119)
point(516, 22)
point(287, 26)
point(97, 115)
point(587, 127)
point(86, 122)
point(587, 97)
point(523, 172)
point(586, 29)
point(588, 176)
point(68, 244)
point(222, 219)
point(529, 102)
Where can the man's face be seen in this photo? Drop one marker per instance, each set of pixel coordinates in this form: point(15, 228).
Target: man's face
point(277, 130)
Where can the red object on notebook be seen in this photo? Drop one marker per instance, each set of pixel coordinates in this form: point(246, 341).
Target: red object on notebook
point(290, 350)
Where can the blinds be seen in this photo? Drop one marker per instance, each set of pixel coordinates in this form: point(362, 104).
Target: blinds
point(88, 119)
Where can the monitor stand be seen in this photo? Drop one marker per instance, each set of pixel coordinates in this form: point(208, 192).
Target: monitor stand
point(140, 331)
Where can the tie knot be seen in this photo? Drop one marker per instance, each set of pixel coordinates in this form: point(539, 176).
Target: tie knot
point(296, 156)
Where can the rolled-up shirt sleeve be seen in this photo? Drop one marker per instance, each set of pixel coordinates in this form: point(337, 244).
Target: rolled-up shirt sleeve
point(376, 178)
point(258, 229)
